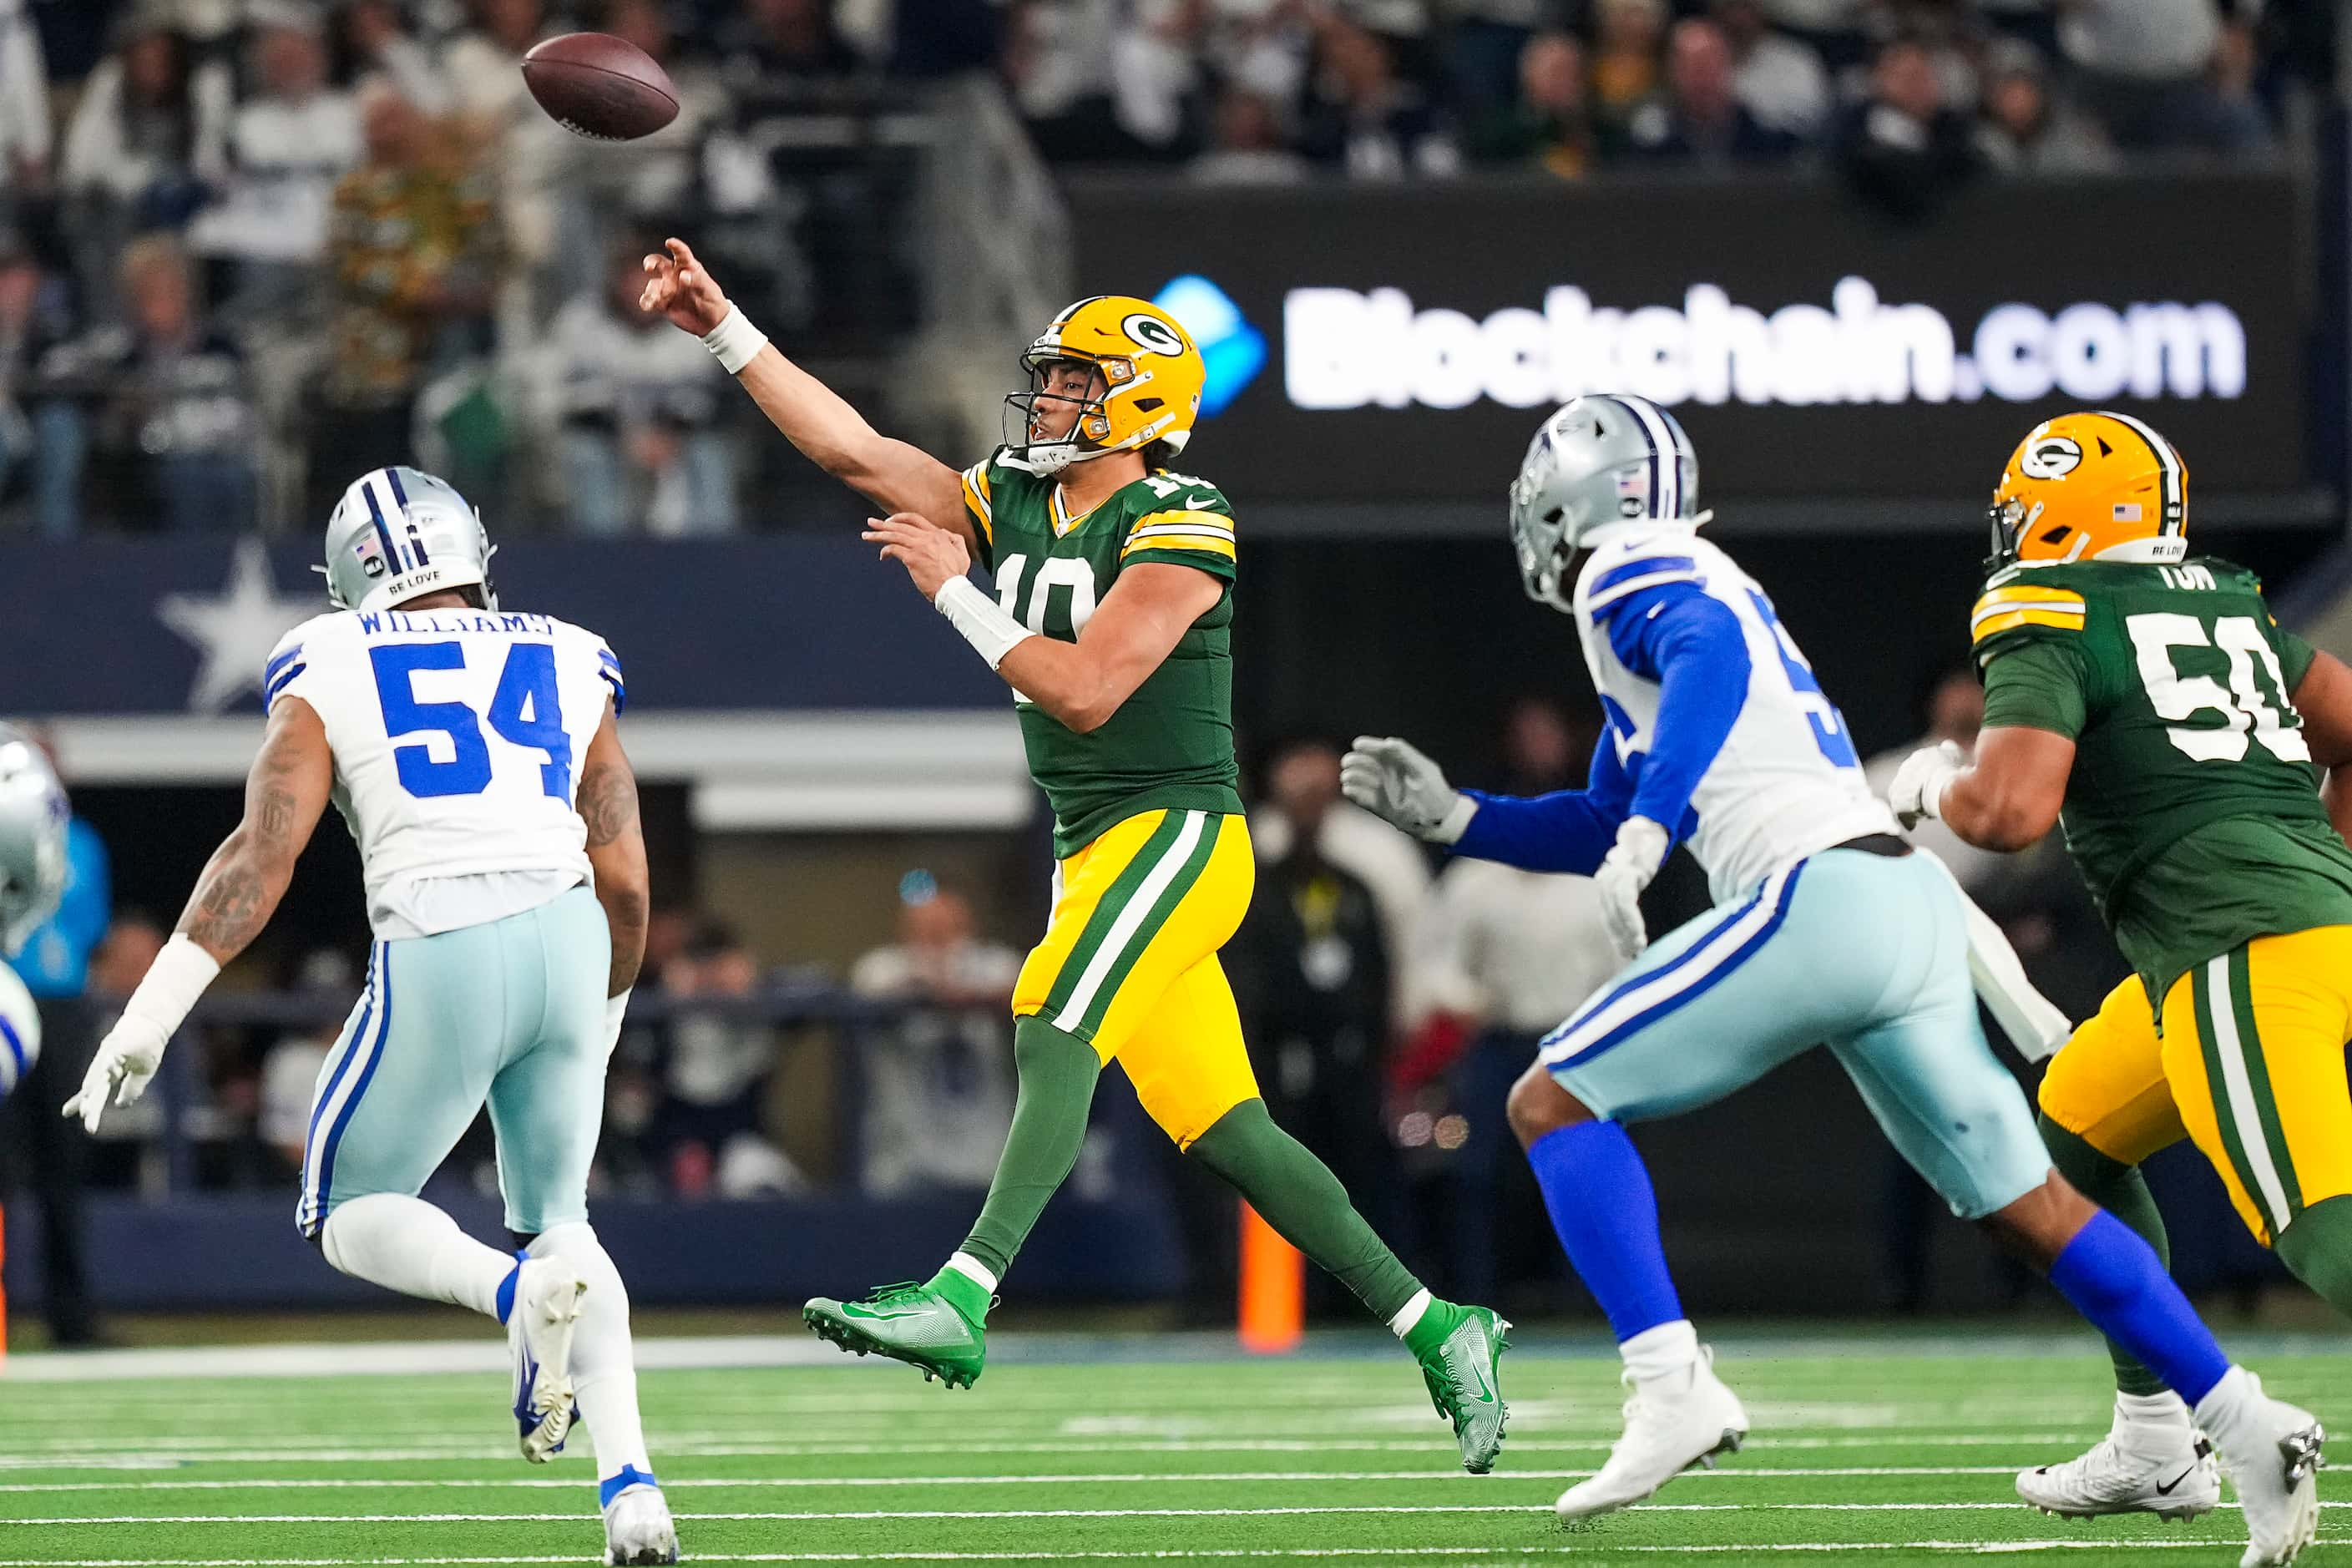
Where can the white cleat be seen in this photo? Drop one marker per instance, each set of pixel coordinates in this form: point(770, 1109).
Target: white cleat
point(638, 1533)
point(2269, 1451)
point(1672, 1423)
point(2159, 1467)
point(538, 1332)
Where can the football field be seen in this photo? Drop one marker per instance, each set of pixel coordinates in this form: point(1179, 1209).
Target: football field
point(1867, 1450)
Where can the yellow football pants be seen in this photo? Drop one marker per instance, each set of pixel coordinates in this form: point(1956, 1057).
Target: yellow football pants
point(1129, 961)
point(2249, 1063)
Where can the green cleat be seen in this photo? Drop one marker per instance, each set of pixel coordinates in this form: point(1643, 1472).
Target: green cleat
point(914, 1323)
point(1463, 1372)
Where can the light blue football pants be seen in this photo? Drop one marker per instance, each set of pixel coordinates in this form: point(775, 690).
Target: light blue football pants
point(1865, 953)
point(510, 1013)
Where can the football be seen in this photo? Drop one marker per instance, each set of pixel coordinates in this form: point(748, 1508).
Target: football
point(599, 86)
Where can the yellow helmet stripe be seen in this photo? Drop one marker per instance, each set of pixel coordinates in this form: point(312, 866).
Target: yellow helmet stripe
point(2174, 517)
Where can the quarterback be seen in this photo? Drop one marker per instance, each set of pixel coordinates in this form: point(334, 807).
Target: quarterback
point(2145, 699)
point(1828, 927)
point(1111, 622)
point(473, 752)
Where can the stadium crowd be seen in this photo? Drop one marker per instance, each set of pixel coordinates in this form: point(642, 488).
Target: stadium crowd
point(243, 241)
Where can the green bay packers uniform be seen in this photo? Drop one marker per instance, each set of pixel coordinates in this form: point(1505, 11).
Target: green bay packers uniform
point(1154, 865)
point(2193, 812)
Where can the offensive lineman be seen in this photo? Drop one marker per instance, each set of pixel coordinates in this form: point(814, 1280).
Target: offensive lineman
point(1111, 618)
point(474, 754)
point(2149, 701)
point(1828, 927)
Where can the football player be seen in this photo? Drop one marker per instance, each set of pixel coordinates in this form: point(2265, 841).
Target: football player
point(1828, 927)
point(474, 754)
point(2145, 699)
point(32, 817)
point(1111, 623)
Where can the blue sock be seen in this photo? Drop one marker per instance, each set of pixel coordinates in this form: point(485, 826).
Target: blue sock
point(2114, 1280)
point(507, 1286)
point(1606, 1216)
point(613, 1485)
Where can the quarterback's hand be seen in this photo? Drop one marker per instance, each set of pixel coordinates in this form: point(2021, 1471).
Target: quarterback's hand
point(678, 287)
point(1394, 780)
point(930, 555)
point(1628, 868)
point(125, 1065)
point(1917, 791)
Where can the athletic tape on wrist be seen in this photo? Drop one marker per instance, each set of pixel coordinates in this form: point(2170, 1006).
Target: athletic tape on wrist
point(980, 620)
point(173, 982)
point(735, 342)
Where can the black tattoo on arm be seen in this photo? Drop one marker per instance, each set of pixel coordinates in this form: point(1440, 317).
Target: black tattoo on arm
point(607, 803)
point(246, 875)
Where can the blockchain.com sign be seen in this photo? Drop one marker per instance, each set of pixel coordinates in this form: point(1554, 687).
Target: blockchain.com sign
point(1393, 345)
point(1345, 349)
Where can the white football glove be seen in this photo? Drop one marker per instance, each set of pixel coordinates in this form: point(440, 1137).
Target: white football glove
point(1392, 779)
point(125, 1065)
point(1918, 792)
point(1628, 868)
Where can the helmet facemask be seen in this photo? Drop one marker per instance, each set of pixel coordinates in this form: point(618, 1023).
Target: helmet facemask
point(1090, 421)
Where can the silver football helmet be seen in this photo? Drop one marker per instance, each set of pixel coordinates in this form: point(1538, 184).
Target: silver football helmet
point(32, 817)
point(1605, 458)
point(400, 532)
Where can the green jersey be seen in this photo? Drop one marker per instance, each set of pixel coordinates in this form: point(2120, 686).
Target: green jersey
point(1170, 745)
point(2193, 810)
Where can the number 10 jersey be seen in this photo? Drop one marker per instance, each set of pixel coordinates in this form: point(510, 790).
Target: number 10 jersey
point(2193, 809)
point(457, 736)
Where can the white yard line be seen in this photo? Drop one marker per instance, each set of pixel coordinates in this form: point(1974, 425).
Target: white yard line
point(1081, 1477)
point(1981, 1548)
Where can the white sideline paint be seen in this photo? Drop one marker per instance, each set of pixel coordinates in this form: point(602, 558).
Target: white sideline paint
point(1136, 1478)
point(399, 1358)
point(1978, 1547)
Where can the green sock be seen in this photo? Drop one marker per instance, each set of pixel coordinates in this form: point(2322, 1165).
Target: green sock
point(2317, 1244)
point(1297, 1193)
point(1057, 1074)
point(2123, 1192)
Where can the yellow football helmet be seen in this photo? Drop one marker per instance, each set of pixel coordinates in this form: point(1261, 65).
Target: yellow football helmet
point(2092, 487)
point(1146, 388)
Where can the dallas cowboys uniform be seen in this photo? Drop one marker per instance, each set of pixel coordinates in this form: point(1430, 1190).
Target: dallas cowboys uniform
point(455, 733)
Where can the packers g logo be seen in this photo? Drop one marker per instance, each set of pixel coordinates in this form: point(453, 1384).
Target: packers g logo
point(1153, 335)
point(2051, 458)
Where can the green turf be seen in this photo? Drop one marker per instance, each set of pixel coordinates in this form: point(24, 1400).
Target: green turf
point(1865, 1452)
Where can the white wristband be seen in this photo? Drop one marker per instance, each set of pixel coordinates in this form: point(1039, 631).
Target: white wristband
point(1456, 822)
point(735, 342)
point(174, 980)
point(980, 620)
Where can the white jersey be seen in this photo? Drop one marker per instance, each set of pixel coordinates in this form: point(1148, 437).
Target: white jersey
point(20, 1031)
point(1786, 782)
point(457, 736)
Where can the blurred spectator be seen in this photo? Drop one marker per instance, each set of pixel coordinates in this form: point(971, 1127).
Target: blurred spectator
point(149, 132)
point(162, 398)
point(1246, 144)
point(2236, 123)
point(938, 1079)
point(1364, 118)
point(527, 152)
point(1777, 79)
point(414, 253)
point(2142, 66)
point(292, 138)
point(1310, 973)
point(1548, 125)
point(51, 1151)
point(2025, 129)
point(1955, 709)
point(1057, 57)
point(35, 315)
point(369, 43)
point(639, 413)
point(716, 1066)
point(290, 1072)
point(773, 43)
point(1628, 42)
point(1351, 839)
point(1904, 147)
point(1700, 120)
point(25, 131)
